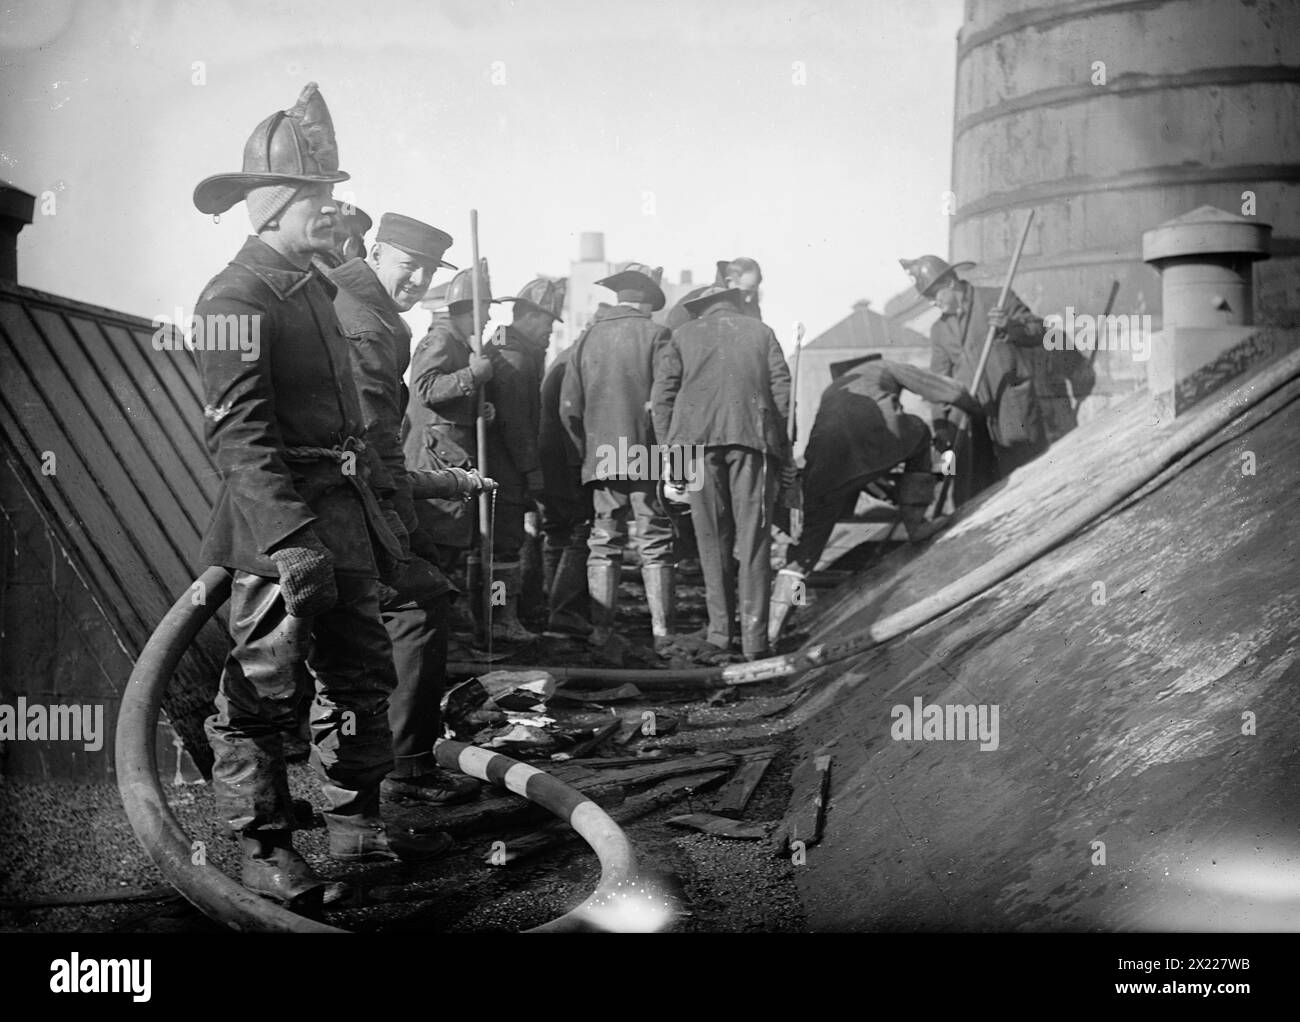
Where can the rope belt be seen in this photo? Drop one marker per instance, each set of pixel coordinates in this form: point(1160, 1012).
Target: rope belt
point(381, 532)
point(338, 452)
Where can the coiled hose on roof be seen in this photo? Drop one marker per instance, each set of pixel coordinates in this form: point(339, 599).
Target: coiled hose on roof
point(620, 897)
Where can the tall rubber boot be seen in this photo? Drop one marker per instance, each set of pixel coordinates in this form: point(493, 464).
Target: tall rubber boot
point(602, 585)
point(786, 593)
point(506, 625)
point(915, 493)
point(569, 603)
point(661, 596)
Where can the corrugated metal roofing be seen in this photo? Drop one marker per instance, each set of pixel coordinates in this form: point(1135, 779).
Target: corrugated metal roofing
point(120, 424)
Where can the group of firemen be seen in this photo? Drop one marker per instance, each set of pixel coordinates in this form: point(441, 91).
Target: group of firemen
point(348, 497)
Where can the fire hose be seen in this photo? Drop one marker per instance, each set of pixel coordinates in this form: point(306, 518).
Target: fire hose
point(221, 898)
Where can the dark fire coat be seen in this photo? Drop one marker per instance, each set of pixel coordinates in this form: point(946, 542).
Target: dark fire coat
point(296, 392)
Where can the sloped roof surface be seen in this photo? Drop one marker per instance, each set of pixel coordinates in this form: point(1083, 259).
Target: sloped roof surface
point(1120, 710)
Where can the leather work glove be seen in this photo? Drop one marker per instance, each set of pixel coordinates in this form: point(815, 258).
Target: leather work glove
point(480, 368)
point(475, 483)
point(306, 574)
point(533, 480)
point(945, 435)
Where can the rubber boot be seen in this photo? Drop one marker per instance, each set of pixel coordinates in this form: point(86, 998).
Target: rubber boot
point(273, 869)
point(569, 603)
point(788, 591)
point(915, 493)
point(602, 585)
point(506, 626)
point(661, 596)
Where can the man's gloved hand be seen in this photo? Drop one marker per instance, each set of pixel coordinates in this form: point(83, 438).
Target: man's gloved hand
point(533, 480)
point(945, 435)
point(789, 475)
point(489, 413)
point(306, 574)
point(476, 483)
point(480, 368)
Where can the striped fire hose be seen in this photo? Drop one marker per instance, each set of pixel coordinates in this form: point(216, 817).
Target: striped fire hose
point(183, 862)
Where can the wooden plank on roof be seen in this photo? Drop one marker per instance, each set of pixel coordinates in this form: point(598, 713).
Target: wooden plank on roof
point(56, 420)
point(177, 377)
point(131, 481)
point(185, 513)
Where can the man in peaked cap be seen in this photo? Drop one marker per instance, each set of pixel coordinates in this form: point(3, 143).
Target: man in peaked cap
point(373, 293)
point(721, 382)
point(1009, 432)
point(603, 406)
point(302, 519)
point(518, 354)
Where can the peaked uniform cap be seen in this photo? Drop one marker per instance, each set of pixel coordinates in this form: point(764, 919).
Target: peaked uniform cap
point(710, 295)
point(929, 271)
point(416, 237)
point(294, 146)
point(544, 294)
point(638, 278)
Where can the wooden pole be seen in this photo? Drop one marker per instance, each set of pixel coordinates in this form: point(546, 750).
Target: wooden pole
point(480, 434)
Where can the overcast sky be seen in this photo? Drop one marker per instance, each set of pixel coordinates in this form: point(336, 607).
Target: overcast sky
point(680, 129)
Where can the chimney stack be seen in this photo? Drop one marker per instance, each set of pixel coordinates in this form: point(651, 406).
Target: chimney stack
point(591, 247)
point(16, 208)
point(1205, 259)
